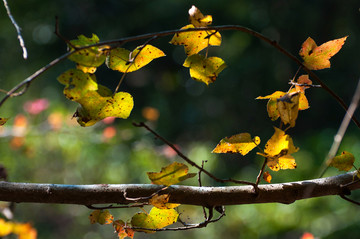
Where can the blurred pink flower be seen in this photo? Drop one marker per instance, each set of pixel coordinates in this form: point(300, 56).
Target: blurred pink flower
point(37, 106)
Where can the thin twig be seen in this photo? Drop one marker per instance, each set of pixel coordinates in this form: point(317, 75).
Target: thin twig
point(58, 34)
point(187, 226)
point(261, 172)
point(18, 30)
point(349, 200)
point(342, 129)
point(144, 198)
point(142, 124)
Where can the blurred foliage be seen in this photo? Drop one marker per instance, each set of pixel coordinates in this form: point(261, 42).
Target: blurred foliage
point(48, 146)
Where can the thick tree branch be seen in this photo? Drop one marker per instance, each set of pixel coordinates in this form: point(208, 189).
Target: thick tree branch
point(203, 196)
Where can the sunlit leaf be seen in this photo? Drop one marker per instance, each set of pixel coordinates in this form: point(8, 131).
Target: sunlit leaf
point(96, 101)
point(90, 57)
point(288, 107)
point(161, 202)
point(303, 80)
point(343, 162)
point(197, 19)
point(101, 217)
point(239, 143)
point(283, 162)
point(24, 231)
point(122, 230)
point(3, 121)
point(272, 107)
point(267, 177)
point(203, 69)
point(123, 60)
point(318, 57)
point(171, 174)
point(5, 227)
point(280, 144)
point(195, 41)
point(157, 218)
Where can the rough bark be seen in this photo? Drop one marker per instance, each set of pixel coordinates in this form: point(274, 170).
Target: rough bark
point(203, 196)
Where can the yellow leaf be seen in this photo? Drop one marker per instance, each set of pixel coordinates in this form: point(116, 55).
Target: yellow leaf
point(195, 41)
point(288, 107)
point(97, 102)
point(283, 162)
point(91, 57)
point(239, 143)
point(272, 107)
point(161, 202)
point(157, 218)
point(5, 227)
point(267, 177)
point(343, 162)
point(101, 217)
point(280, 144)
point(171, 174)
point(123, 60)
point(197, 19)
point(203, 69)
point(318, 57)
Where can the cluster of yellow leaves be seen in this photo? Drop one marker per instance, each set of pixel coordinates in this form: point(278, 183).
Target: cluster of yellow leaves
point(202, 68)
point(286, 105)
point(96, 101)
point(22, 230)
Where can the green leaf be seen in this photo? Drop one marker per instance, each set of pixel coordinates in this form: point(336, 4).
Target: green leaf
point(203, 69)
point(87, 59)
point(171, 174)
point(239, 143)
point(195, 41)
point(123, 60)
point(97, 102)
point(157, 218)
point(343, 162)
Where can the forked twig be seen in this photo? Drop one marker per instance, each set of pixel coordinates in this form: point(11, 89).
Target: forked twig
point(189, 161)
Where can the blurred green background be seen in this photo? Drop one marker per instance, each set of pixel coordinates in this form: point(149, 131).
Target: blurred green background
point(49, 147)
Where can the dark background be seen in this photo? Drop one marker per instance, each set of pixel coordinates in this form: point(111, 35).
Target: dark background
point(192, 115)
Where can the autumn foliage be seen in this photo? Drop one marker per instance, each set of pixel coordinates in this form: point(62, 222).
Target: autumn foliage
point(95, 102)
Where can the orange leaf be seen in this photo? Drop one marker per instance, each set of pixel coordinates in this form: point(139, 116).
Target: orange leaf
point(303, 80)
point(318, 57)
point(267, 177)
point(239, 143)
point(122, 230)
